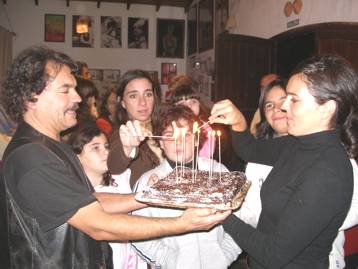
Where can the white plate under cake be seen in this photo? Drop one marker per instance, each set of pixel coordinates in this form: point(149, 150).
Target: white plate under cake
point(181, 189)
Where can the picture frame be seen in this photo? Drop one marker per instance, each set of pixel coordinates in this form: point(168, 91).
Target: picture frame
point(138, 33)
point(192, 32)
point(55, 27)
point(111, 32)
point(112, 75)
point(168, 71)
point(83, 40)
point(170, 38)
point(206, 25)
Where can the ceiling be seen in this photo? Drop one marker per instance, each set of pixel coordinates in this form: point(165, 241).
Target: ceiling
point(157, 3)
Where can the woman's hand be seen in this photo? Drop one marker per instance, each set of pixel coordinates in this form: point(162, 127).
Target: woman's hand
point(195, 219)
point(226, 112)
point(131, 134)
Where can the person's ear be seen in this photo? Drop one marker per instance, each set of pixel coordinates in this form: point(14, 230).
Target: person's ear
point(328, 110)
point(123, 104)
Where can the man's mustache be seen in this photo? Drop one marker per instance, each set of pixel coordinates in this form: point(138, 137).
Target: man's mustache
point(73, 108)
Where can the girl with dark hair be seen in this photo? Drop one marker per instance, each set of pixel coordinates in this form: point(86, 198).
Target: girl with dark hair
point(307, 194)
point(107, 111)
point(130, 148)
point(89, 95)
point(273, 121)
point(91, 146)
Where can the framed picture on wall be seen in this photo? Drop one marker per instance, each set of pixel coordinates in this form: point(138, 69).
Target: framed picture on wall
point(137, 33)
point(206, 28)
point(111, 75)
point(82, 31)
point(111, 32)
point(170, 38)
point(54, 28)
point(169, 70)
point(192, 29)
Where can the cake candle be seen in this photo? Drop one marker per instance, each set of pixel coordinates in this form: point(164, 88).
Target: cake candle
point(197, 154)
point(211, 153)
point(219, 135)
point(209, 138)
point(183, 150)
point(195, 128)
point(175, 134)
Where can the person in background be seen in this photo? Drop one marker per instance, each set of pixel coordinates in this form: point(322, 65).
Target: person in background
point(89, 95)
point(264, 81)
point(52, 212)
point(311, 183)
point(92, 147)
point(139, 97)
point(107, 112)
point(184, 94)
point(214, 249)
point(273, 124)
point(83, 70)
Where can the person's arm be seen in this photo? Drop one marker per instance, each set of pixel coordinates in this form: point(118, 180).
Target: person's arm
point(99, 225)
point(118, 203)
point(312, 206)
point(123, 144)
point(352, 216)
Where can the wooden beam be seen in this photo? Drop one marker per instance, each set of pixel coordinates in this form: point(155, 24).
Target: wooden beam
point(36, 2)
point(128, 4)
point(4, 1)
point(186, 8)
point(98, 3)
point(67, 3)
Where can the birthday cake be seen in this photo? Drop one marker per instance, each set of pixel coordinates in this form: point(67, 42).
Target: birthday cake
point(184, 188)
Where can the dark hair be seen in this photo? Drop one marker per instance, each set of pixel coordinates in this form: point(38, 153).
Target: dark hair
point(122, 115)
point(86, 89)
point(80, 66)
point(179, 80)
point(81, 137)
point(263, 128)
point(330, 77)
point(103, 108)
point(187, 91)
point(28, 76)
point(167, 114)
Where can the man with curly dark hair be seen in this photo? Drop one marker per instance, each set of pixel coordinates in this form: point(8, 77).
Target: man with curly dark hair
point(54, 216)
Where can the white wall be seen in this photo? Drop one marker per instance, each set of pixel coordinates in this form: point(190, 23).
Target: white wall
point(27, 21)
point(265, 18)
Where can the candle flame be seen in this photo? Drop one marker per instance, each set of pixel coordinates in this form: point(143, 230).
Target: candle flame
point(218, 133)
point(213, 133)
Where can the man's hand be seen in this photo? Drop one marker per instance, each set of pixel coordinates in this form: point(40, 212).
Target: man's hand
point(226, 112)
point(131, 134)
point(196, 219)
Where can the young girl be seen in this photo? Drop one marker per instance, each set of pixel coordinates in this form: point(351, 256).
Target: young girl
point(185, 95)
point(209, 250)
point(91, 146)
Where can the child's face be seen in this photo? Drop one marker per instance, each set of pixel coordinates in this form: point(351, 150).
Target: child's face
point(192, 103)
point(94, 155)
point(176, 153)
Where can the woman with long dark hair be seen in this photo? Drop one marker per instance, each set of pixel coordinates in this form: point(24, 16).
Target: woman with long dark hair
point(139, 98)
point(308, 193)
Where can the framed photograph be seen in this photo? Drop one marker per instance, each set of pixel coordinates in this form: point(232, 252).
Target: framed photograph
point(96, 74)
point(54, 28)
point(138, 33)
point(170, 38)
point(111, 75)
point(169, 70)
point(111, 32)
point(206, 31)
point(82, 31)
point(192, 29)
